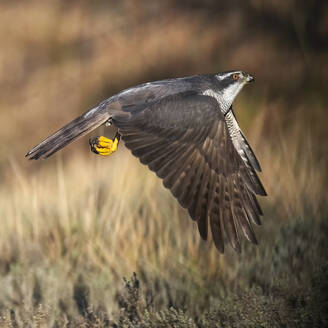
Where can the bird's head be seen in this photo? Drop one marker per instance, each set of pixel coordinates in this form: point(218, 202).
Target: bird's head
point(229, 85)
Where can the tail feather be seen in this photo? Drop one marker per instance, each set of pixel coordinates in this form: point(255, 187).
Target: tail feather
point(73, 130)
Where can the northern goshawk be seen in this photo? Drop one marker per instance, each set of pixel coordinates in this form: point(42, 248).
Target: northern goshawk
point(185, 131)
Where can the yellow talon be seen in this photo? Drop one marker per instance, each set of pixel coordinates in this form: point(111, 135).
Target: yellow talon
point(104, 146)
point(104, 142)
point(114, 145)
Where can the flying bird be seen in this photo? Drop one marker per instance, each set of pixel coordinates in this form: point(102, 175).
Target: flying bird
point(184, 130)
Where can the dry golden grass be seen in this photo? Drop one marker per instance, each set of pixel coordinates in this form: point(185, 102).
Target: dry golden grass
point(119, 213)
point(80, 222)
point(107, 217)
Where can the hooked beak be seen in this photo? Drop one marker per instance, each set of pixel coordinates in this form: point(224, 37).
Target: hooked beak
point(249, 78)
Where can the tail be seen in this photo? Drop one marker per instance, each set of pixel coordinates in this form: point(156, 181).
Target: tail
point(76, 129)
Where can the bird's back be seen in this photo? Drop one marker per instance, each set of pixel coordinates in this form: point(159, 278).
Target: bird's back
point(152, 91)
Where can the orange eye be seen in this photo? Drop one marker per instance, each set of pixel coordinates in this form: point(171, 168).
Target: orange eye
point(235, 77)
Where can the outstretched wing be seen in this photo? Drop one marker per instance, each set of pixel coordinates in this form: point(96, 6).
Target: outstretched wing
point(184, 139)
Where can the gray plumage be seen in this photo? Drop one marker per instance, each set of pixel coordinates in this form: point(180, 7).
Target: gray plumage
point(186, 132)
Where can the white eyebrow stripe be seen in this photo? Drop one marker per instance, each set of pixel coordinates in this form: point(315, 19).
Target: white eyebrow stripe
point(222, 76)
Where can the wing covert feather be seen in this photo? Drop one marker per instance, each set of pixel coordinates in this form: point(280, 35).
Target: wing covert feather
point(184, 139)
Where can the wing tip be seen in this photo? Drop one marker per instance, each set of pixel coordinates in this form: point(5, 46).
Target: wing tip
point(254, 161)
point(251, 238)
point(258, 168)
point(258, 222)
point(261, 191)
point(220, 248)
point(202, 225)
point(236, 247)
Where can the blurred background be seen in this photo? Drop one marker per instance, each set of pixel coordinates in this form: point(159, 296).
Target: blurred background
point(72, 226)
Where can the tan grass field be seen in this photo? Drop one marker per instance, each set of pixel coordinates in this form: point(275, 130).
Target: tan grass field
point(72, 226)
point(104, 218)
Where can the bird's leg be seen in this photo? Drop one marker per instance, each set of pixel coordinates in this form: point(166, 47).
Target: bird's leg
point(104, 146)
